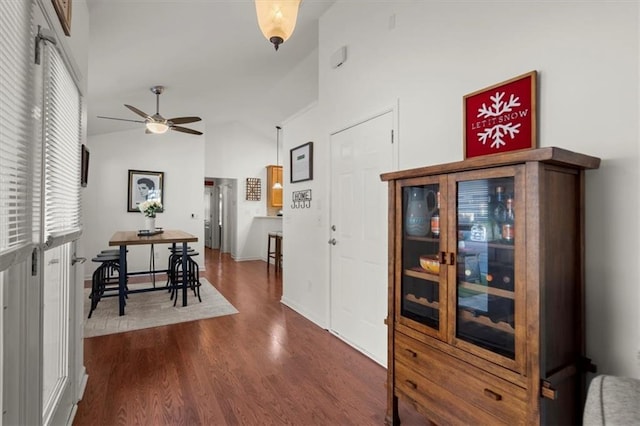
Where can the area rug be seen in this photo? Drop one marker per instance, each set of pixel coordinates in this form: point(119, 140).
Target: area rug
point(153, 309)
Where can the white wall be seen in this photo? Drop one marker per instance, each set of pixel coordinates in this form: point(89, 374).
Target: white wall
point(241, 150)
point(305, 231)
point(427, 56)
point(181, 158)
point(237, 151)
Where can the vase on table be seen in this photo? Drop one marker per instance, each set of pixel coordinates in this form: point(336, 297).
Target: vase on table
point(150, 223)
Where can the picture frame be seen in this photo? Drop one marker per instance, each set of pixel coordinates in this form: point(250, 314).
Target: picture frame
point(253, 189)
point(502, 117)
point(301, 161)
point(84, 166)
point(63, 10)
point(144, 185)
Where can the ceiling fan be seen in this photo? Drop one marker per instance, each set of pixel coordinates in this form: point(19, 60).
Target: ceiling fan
point(156, 123)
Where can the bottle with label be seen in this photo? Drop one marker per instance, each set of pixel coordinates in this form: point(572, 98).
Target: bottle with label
point(435, 218)
point(508, 227)
point(499, 212)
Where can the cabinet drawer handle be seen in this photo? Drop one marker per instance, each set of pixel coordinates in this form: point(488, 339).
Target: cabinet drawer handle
point(491, 394)
point(411, 353)
point(411, 384)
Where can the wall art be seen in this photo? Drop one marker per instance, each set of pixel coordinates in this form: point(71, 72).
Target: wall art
point(501, 117)
point(144, 185)
point(301, 158)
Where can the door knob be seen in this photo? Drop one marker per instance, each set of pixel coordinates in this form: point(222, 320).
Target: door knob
point(333, 227)
point(332, 241)
point(78, 260)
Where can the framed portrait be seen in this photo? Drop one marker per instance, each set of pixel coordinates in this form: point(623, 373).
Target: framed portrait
point(84, 166)
point(63, 10)
point(501, 118)
point(144, 185)
point(301, 158)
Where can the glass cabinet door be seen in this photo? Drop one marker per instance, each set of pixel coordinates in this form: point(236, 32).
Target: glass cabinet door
point(485, 264)
point(421, 298)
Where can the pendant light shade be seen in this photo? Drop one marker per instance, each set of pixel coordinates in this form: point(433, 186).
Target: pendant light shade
point(277, 185)
point(277, 19)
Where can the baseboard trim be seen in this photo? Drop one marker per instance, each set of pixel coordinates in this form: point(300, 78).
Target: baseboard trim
point(304, 312)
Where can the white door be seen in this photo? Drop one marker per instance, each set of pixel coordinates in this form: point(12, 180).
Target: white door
point(359, 234)
point(60, 211)
point(40, 330)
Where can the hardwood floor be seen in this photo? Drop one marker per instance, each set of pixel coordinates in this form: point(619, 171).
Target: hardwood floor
point(266, 365)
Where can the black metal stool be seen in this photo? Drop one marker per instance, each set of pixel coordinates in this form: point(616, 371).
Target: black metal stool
point(105, 279)
point(175, 276)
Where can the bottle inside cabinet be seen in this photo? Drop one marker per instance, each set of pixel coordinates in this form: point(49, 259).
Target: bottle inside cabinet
point(420, 257)
point(485, 264)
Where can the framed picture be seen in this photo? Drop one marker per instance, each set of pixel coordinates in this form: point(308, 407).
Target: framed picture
point(144, 185)
point(84, 166)
point(253, 189)
point(63, 10)
point(302, 162)
point(501, 118)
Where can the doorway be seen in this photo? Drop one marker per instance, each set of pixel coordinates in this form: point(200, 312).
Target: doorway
point(219, 222)
point(359, 233)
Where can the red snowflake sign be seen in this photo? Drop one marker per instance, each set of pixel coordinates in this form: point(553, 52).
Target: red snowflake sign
point(501, 117)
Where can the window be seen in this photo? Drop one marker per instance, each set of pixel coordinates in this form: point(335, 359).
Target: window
point(16, 131)
point(62, 151)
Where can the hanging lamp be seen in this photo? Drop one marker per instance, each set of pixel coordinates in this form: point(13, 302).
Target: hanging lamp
point(277, 19)
point(277, 185)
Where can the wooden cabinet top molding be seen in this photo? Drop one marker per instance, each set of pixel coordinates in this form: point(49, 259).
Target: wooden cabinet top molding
point(551, 155)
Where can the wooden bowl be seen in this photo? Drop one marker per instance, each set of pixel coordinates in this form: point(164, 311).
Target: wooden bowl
point(430, 263)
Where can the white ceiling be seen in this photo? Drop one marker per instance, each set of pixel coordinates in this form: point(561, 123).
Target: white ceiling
point(209, 54)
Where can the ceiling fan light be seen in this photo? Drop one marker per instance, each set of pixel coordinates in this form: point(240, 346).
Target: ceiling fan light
point(157, 127)
point(277, 19)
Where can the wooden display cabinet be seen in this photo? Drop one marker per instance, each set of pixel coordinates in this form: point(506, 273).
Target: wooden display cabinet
point(495, 333)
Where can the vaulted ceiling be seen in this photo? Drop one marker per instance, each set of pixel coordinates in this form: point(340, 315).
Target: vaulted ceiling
point(209, 54)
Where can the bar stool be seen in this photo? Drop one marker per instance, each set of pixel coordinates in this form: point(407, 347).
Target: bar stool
point(193, 278)
point(276, 254)
point(104, 281)
point(174, 272)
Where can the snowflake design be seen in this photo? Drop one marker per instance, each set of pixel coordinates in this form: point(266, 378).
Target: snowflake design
point(497, 132)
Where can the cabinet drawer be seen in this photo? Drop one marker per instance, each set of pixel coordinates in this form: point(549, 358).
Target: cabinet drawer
point(439, 404)
point(470, 384)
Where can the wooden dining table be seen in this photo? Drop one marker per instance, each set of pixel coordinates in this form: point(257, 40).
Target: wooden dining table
point(133, 238)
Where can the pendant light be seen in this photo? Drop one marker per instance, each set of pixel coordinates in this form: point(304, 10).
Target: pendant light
point(277, 19)
point(277, 185)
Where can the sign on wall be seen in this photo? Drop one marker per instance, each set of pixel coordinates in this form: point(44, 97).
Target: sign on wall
point(501, 117)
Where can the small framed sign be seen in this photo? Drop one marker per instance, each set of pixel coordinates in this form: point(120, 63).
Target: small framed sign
point(301, 158)
point(84, 166)
point(501, 117)
point(63, 10)
point(253, 189)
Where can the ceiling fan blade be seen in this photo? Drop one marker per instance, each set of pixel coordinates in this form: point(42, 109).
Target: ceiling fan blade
point(185, 130)
point(137, 111)
point(184, 120)
point(122, 119)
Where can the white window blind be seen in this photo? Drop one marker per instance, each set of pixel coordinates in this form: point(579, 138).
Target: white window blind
point(62, 151)
point(16, 130)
